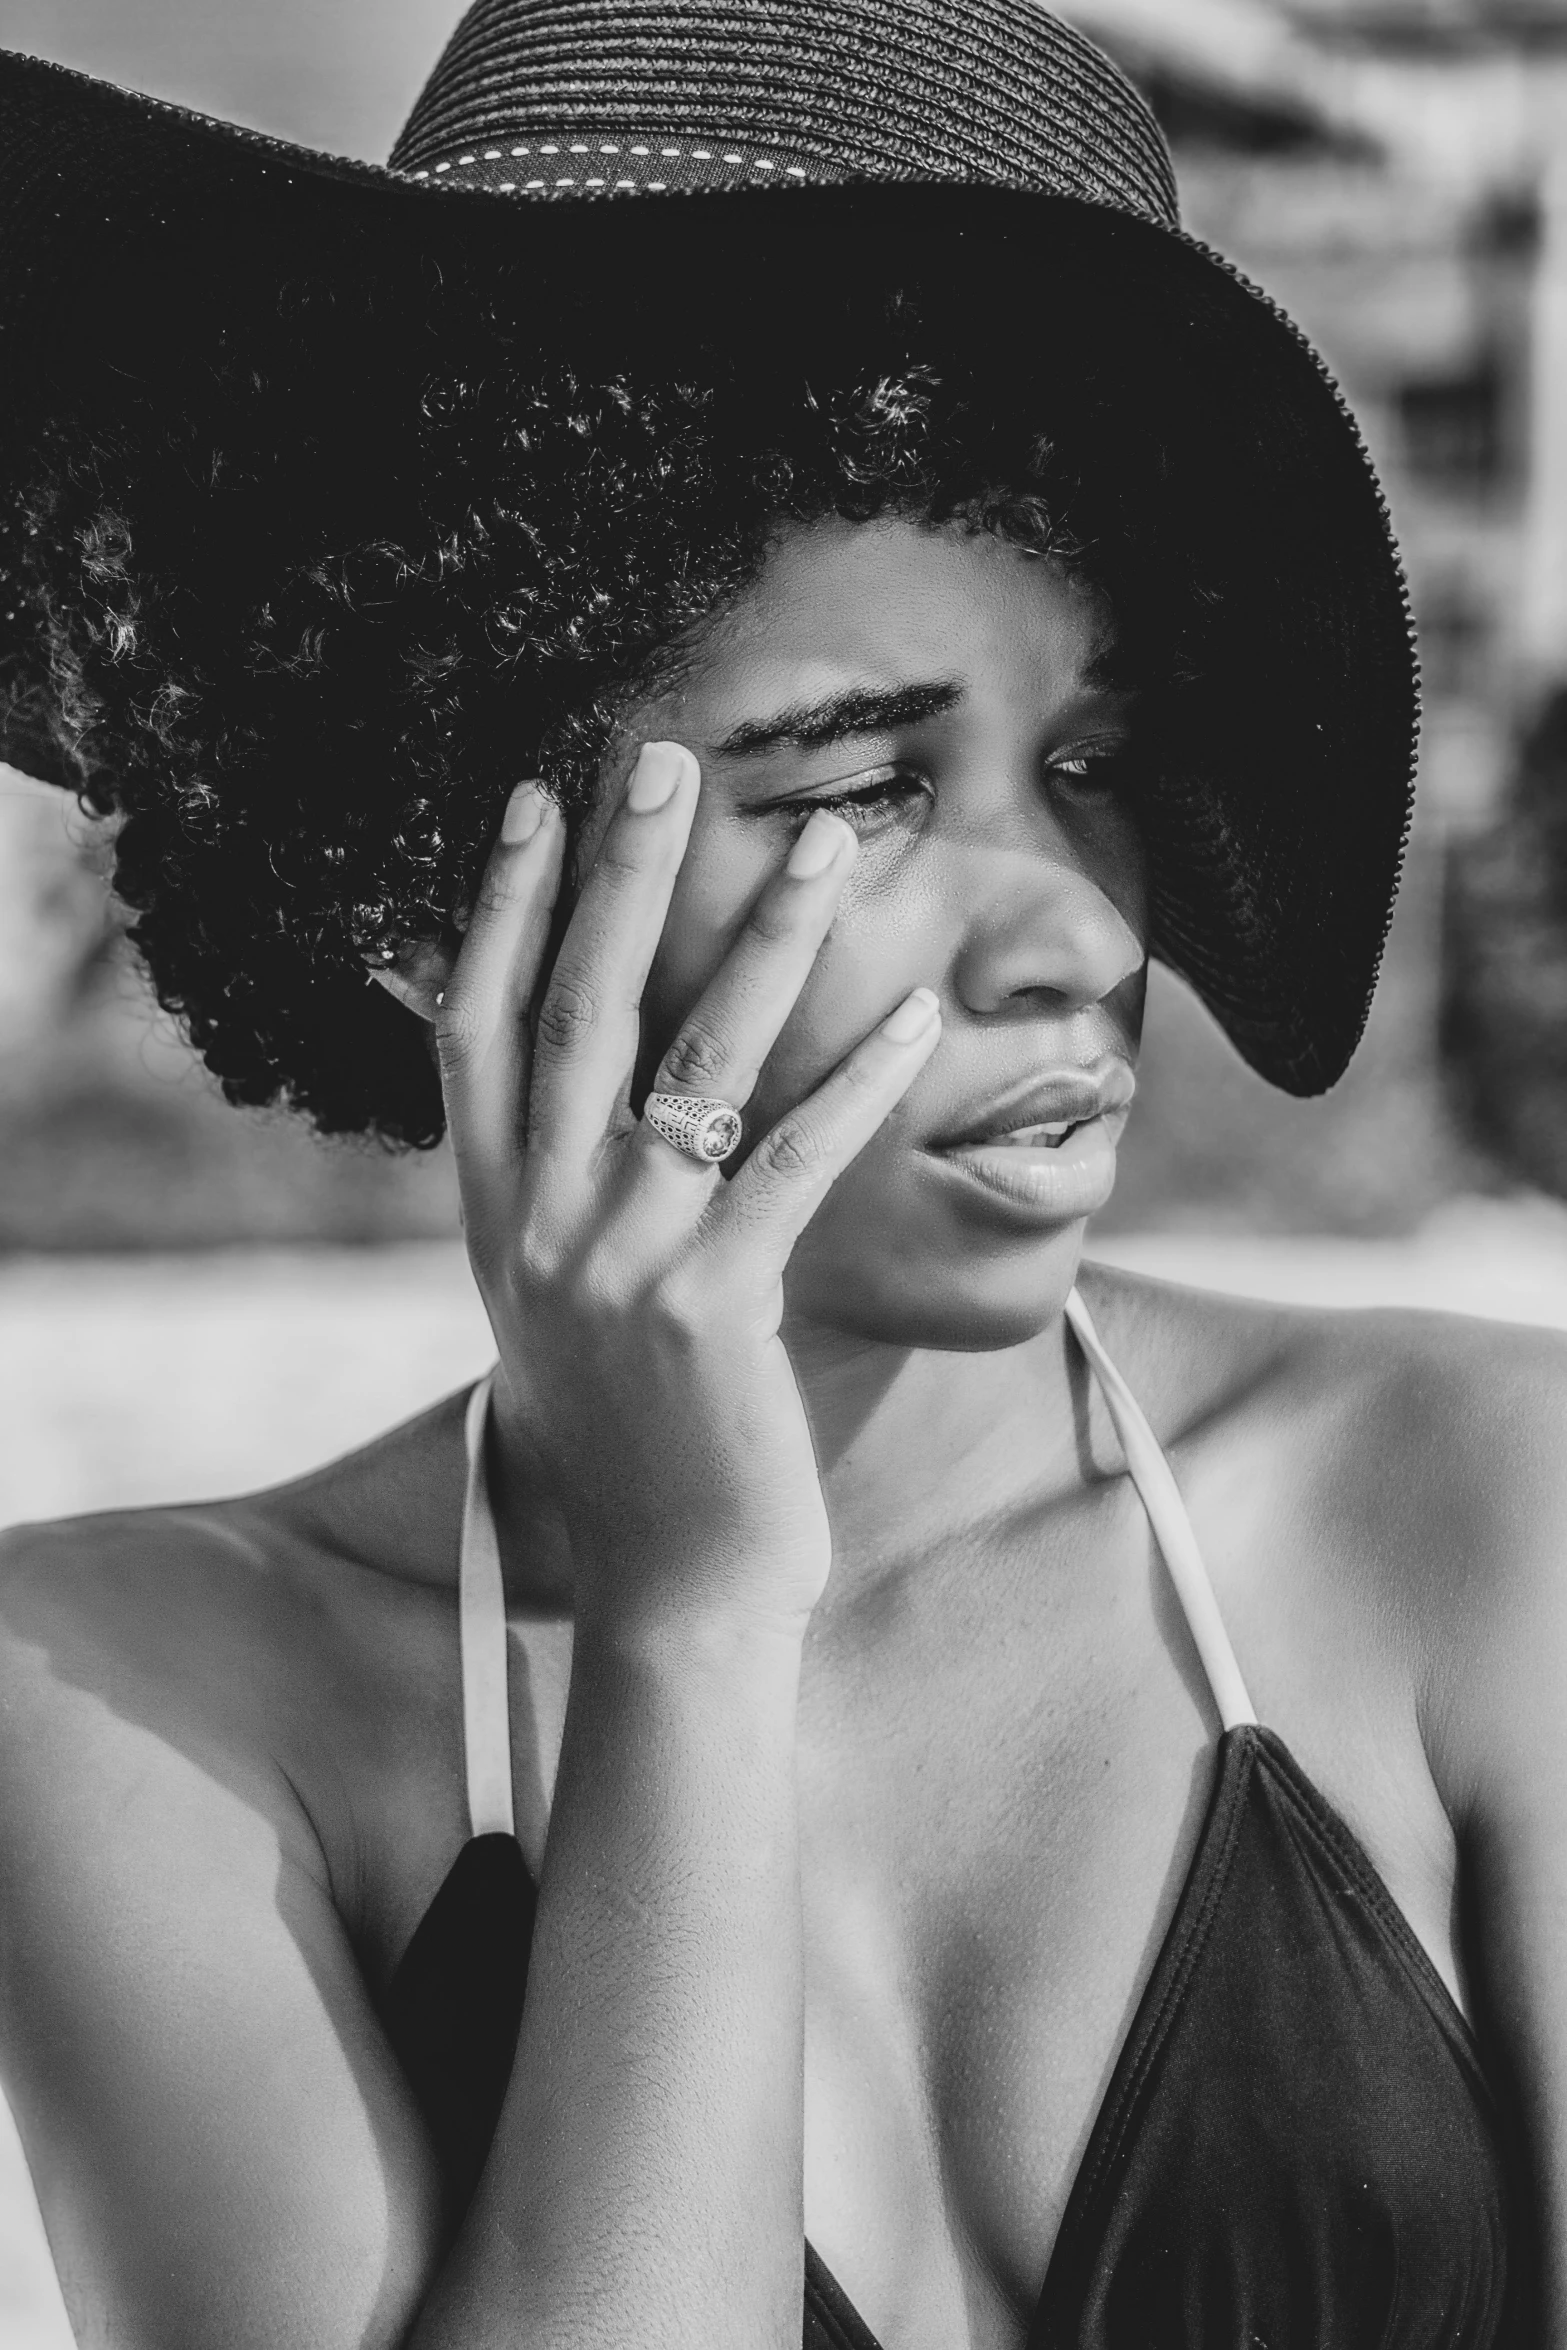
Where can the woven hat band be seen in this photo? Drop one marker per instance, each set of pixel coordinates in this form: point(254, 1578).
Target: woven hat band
point(988, 92)
point(566, 163)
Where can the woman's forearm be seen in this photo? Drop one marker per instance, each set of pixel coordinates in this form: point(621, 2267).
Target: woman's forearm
point(645, 2183)
point(644, 2187)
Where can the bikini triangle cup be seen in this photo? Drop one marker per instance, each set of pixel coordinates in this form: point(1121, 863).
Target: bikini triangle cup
point(543, 1643)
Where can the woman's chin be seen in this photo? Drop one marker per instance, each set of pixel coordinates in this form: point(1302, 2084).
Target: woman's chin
point(915, 1289)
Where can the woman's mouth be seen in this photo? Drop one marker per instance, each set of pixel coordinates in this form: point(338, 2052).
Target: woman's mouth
point(1054, 1173)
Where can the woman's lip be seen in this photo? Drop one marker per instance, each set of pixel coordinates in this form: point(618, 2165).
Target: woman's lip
point(1069, 1096)
point(1051, 1186)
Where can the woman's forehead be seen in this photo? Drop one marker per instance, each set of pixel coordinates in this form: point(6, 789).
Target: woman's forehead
point(905, 618)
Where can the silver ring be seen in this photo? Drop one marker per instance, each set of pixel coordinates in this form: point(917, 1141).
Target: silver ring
point(701, 1127)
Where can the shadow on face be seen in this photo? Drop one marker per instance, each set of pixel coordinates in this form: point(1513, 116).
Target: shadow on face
point(948, 695)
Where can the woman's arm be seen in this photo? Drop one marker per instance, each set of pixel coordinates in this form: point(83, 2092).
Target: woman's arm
point(1496, 1730)
point(224, 2150)
point(646, 2181)
point(645, 2184)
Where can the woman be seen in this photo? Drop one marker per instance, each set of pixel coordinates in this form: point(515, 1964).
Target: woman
point(753, 671)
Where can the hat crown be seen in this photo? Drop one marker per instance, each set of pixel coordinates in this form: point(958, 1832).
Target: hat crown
point(984, 91)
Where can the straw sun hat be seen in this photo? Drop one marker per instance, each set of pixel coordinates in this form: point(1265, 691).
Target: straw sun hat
point(733, 150)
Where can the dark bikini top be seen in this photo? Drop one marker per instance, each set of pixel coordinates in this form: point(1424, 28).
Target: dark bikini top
point(1297, 2150)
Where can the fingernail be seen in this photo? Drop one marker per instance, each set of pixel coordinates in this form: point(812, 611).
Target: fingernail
point(658, 770)
point(819, 845)
point(524, 814)
point(912, 1017)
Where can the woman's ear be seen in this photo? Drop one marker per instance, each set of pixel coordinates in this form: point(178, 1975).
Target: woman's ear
point(419, 977)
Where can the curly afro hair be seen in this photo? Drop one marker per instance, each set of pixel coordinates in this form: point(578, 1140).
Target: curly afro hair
point(325, 574)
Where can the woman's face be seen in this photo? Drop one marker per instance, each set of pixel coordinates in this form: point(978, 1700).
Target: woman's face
point(940, 690)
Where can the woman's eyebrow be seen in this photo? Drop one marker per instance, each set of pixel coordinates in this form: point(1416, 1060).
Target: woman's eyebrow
point(810, 726)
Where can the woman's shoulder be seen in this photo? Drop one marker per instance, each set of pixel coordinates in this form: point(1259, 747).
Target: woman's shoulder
point(386, 1513)
point(1391, 1382)
point(1413, 1463)
point(230, 1631)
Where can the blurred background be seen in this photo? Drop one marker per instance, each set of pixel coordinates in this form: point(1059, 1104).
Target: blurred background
point(194, 1299)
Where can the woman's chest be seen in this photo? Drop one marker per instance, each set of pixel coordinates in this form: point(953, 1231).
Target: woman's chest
point(1104, 2094)
point(1001, 1799)
point(994, 1840)
point(995, 1815)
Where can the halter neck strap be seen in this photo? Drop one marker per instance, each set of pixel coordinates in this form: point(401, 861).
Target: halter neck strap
point(1161, 1497)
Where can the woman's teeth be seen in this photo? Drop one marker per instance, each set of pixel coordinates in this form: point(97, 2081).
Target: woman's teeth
point(1035, 1138)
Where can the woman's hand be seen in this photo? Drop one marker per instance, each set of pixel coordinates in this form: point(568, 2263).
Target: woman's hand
point(635, 1294)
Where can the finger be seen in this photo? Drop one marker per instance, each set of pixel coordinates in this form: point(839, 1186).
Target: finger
point(481, 1024)
point(794, 1165)
point(736, 1020)
point(586, 1035)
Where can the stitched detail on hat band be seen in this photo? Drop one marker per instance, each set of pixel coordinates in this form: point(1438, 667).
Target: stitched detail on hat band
point(764, 167)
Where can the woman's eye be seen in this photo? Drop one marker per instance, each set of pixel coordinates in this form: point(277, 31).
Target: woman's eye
point(1097, 771)
point(861, 802)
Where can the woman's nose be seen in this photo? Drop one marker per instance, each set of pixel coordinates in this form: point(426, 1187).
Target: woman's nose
point(1041, 926)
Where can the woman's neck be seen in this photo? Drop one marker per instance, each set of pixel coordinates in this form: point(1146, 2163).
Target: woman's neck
point(917, 1445)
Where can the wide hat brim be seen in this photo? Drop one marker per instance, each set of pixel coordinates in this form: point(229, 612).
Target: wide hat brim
point(1278, 828)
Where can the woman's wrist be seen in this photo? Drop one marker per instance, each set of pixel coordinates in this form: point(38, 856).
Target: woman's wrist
point(677, 1783)
point(719, 1648)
